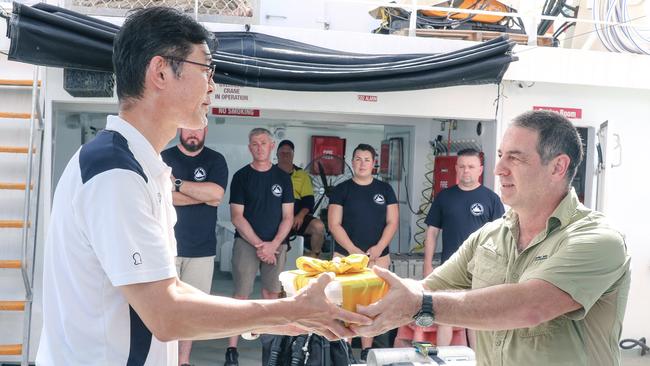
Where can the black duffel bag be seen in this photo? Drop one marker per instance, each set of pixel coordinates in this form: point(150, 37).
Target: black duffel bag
point(293, 351)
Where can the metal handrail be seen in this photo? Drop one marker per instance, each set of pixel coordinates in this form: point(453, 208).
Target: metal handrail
point(28, 273)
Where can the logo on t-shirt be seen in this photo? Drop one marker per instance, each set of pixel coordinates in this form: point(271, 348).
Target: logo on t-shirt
point(276, 190)
point(379, 199)
point(476, 209)
point(199, 174)
point(137, 259)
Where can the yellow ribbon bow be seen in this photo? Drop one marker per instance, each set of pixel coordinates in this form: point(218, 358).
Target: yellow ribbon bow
point(354, 263)
point(359, 284)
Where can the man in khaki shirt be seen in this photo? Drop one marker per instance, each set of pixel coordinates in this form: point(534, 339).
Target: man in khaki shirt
point(545, 285)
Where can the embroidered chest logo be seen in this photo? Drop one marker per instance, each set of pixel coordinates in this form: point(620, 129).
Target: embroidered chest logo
point(199, 174)
point(276, 190)
point(540, 258)
point(379, 199)
point(137, 259)
point(476, 209)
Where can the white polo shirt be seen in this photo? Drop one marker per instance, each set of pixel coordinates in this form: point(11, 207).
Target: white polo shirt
point(112, 224)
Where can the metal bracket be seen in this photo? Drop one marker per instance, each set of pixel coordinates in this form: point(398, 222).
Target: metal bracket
point(618, 147)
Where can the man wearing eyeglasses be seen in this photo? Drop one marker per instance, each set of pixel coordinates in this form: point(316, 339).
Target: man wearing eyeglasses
point(111, 295)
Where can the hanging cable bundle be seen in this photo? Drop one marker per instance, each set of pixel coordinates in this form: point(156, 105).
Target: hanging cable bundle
point(619, 38)
point(423, 210)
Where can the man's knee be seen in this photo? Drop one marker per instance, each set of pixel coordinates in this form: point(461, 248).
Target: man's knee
point(316, 226)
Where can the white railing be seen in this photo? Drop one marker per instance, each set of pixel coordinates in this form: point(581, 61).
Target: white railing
point(222, 11)
point(31, 211)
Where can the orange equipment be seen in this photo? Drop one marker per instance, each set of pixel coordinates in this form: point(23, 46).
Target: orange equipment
point(488, 5)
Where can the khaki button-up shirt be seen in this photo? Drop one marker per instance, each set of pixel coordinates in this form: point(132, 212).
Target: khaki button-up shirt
point(578, 253)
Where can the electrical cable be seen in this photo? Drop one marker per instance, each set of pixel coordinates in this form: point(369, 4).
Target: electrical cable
point(614, 38)
point(406, 187)
point(563, 28)
point(632, 343)
point(427, 195)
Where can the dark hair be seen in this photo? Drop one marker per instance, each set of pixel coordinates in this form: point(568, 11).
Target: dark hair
point(557, 136)
point(471, 152)
point(150, 32)
point(288, 143)
point(365, 147)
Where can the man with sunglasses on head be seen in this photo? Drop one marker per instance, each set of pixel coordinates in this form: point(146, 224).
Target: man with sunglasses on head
point(111, 295)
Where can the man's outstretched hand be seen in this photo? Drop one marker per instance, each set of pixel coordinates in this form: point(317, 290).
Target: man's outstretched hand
point(315, 313)
point(396, 308)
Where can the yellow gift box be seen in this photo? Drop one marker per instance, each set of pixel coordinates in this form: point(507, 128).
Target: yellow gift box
point(355, 283)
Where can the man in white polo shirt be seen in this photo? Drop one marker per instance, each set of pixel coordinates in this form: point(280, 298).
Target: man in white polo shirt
point(111, 295)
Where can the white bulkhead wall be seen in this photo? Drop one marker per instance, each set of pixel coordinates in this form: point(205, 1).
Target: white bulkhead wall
point(626, 192)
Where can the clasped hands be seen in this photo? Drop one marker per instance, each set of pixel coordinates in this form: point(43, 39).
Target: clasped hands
point(266, 251)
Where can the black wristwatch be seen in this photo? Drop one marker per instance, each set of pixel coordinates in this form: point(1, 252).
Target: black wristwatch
point(177, 185)
point(426, 316)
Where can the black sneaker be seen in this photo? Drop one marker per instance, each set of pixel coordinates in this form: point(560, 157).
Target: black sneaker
point(232, 357)
point(364, 354)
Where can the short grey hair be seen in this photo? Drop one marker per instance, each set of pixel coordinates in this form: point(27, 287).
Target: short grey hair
point(557, 136)
point(259, 131)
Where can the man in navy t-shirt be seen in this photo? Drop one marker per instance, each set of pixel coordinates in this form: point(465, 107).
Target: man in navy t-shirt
point(200, 177)
point(261, 209)
point(459, 211)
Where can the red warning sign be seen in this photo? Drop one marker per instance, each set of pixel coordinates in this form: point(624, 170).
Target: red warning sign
point(574, 113)
point(241, 112)
point(367, 98)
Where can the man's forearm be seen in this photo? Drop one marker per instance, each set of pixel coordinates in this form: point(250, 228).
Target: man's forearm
point(181, 199)
point(430, 248)
point(246, 231)
point(283, 229)
point(205, 192)
point(201, 316)
point(303, 212)
point(500, 307)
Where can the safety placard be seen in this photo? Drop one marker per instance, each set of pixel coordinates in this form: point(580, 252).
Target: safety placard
point(574, 113)
point(241, 112)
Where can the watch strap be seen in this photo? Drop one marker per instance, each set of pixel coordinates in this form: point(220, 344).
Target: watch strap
point(427, 304)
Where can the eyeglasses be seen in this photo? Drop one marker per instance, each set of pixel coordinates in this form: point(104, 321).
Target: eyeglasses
point(211, 67)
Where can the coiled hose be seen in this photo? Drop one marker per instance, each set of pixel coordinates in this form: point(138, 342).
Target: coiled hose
point(423, 209)
point(631, 343)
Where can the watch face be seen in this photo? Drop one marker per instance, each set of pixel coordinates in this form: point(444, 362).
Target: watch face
point(177, 182)
point(424, 320)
